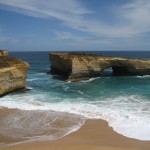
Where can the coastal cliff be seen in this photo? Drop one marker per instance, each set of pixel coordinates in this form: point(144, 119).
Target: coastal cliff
point(3, 53)
point(76, 66)
point(12, 73)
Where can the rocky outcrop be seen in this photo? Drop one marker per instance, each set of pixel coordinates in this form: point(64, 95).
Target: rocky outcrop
point(76, 66)
point(12, 74)
point(3, 53)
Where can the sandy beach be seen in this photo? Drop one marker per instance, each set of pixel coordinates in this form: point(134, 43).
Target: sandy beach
point(95, 134)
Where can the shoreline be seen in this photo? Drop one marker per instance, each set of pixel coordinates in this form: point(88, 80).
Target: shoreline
point(94, 134)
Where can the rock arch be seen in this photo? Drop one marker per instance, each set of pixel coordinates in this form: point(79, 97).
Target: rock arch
point(84, 66)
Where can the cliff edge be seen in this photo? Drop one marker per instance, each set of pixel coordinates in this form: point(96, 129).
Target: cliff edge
point(13, 73)
point(3, 53)
point(76, 66)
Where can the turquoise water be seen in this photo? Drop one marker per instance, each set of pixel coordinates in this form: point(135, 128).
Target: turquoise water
point(122, 101)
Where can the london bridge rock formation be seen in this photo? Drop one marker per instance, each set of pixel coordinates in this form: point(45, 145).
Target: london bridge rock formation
point(12, 73)
point(76, 66)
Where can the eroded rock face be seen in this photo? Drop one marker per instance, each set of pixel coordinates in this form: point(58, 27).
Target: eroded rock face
point(83, 66)
point(3, 53)
point(12, 74)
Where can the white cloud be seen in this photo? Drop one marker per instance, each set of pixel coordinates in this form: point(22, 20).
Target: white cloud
point(136, 15)
point(60, 9)
point(67, 36)
point(133, 18)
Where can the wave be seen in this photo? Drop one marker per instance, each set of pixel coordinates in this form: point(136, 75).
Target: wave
point(127, 115)
point(33, 79)
point(90, 80)
point(86, 81)
point(145, 76)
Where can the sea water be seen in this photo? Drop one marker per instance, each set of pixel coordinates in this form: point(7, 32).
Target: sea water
point(54, 108)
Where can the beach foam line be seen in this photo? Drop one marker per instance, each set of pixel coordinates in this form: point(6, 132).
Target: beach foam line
point(127, 115)
point(36, 125)
point(95, 134)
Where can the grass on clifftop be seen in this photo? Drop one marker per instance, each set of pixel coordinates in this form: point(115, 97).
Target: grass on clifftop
point(82, 54)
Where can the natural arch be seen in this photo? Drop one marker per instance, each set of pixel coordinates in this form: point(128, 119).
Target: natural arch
point(84, 66)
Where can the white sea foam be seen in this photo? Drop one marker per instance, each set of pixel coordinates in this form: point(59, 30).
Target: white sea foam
point(90, 80)
point(128, 115)
point(30, 88)
point(32, 79)
point(145, 76)
point(42, 73)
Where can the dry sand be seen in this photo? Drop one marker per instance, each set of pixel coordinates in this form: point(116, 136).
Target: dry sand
point(94, 135)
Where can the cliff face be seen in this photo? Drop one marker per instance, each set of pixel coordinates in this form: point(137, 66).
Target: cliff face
point(3, 53)
point(12, 74)
point(79, 66)
point(61, 65)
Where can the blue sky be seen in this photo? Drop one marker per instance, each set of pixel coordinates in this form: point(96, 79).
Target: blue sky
point(43, 25)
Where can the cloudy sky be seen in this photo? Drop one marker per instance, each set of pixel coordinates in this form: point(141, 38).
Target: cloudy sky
point(30, 25)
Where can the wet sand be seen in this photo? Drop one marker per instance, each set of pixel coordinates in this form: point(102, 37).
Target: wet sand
point(94, 135)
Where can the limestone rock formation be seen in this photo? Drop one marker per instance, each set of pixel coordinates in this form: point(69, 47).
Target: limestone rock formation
point(12, 74)
point(3, 53)
point(76, 66)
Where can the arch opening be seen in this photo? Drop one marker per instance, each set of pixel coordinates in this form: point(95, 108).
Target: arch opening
point(116, 71)
point(120, 71)
point(107, 72)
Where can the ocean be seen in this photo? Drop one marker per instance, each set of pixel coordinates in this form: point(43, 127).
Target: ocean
point(54, 108)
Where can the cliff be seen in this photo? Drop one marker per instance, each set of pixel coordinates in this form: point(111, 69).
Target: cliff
point(3, 53)
point(76, 66)
point(12, 74)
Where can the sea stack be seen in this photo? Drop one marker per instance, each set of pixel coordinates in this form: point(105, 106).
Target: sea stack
point(13, 73)
point(76, 66)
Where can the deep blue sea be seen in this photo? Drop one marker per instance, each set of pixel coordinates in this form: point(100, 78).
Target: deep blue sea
point(54, 108)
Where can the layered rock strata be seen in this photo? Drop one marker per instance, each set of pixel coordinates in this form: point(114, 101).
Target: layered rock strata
point(13, 73)
point(76, 66)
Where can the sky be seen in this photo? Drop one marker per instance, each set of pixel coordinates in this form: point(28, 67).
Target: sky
point(44, 25)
